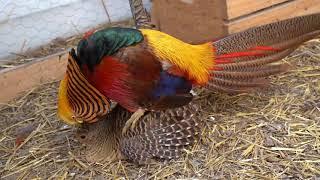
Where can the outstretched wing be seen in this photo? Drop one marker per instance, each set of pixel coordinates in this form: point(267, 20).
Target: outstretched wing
point(244, 59)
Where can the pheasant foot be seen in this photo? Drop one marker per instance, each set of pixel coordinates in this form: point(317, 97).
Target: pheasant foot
point(132, 122)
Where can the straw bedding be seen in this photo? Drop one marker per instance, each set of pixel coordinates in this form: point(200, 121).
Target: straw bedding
point(272, 134)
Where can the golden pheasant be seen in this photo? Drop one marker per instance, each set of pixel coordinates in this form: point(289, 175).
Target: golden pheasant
point(143, 69)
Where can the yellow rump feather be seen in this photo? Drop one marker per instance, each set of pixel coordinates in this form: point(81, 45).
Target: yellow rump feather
point(196, 60)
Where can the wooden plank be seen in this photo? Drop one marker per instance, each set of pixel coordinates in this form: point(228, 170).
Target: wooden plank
point(236, 8)
point(193, 21)
point(155, 15)
point(14, 81)
point(284, 11)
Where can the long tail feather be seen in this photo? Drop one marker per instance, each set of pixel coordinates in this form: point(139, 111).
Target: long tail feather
point(243, 60)
point(235, 83)
point(298, 29)
point(222, 88)
point(254, 63)
point(252, 73)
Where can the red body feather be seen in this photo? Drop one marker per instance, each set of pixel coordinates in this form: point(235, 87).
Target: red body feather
point(114, 88)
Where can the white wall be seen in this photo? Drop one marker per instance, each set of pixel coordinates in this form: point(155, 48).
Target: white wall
point(28, 24)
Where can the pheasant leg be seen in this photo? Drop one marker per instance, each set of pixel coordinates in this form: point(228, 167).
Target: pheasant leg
point(134, 119)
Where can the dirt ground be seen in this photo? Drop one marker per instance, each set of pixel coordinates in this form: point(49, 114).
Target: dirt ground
point(272, 134)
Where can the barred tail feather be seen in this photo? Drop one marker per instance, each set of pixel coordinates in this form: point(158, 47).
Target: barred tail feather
point(244, 60)
point(281, 34)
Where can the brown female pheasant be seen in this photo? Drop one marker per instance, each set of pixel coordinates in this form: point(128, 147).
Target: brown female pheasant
point(158, 136)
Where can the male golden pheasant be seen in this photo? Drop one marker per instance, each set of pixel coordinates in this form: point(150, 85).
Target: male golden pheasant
point(144, 69)
point(158, 135)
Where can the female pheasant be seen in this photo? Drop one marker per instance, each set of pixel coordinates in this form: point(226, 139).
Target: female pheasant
point(143, 69)
point(158, 136)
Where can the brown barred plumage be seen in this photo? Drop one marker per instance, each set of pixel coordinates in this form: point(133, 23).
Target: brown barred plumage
point(86, 101)
point(157, 136)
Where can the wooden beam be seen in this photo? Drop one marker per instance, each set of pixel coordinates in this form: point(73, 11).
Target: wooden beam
point(193, 21)
point(237, 8)
point(277, 13)
point(14, 81)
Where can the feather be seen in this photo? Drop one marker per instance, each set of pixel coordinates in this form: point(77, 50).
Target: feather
point(243, 60)
point(86, 102)
point(105, 42)
point(274, 35)
point(158, 136)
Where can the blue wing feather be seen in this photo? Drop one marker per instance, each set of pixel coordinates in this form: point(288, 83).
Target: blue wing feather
point(170, 85)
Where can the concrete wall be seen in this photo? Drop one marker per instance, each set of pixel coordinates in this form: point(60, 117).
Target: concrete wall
point(26, 25)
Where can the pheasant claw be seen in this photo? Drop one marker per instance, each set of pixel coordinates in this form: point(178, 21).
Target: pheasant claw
point(132, 122)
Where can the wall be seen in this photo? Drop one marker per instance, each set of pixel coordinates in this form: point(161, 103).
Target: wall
point(25, 25)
